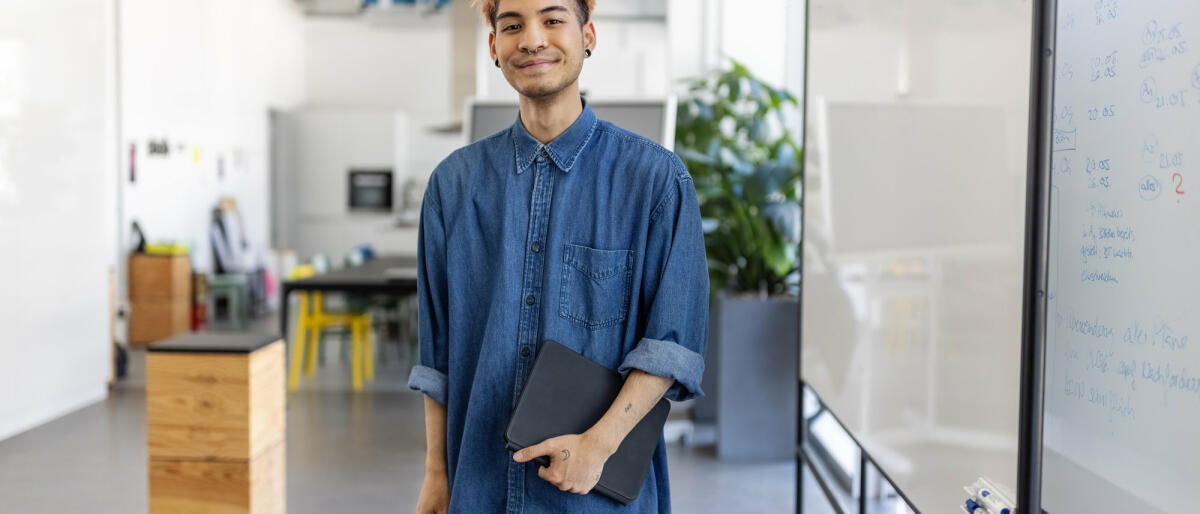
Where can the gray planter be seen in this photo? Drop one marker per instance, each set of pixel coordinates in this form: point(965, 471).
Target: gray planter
point(750, 377)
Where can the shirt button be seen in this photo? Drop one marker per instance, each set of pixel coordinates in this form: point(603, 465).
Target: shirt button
point(525, 351)
point(529, 300)
point(536, 248)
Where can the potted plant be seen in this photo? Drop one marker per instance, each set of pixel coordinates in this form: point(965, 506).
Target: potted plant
point(731, 132)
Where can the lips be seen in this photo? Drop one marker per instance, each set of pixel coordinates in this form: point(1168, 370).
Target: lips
point(536, 64)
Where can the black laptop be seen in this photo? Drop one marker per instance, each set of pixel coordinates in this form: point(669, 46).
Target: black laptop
point(566, 394)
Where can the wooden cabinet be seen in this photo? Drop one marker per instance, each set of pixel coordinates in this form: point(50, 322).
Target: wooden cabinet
point(215, 414)
point(160, 297)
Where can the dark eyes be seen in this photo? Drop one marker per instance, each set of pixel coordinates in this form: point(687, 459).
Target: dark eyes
point(510, 28)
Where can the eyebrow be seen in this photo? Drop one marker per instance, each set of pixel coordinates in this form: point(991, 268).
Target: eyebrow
point(514, 14)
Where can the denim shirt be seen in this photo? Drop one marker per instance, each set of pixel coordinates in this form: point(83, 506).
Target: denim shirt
point(592, 240)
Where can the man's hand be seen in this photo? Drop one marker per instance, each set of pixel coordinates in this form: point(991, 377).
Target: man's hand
point(435, 494)
point(576, 460)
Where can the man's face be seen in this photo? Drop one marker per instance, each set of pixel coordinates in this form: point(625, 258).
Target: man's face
point(540, 44)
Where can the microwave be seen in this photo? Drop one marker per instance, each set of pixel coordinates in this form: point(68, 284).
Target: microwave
point(370, 190)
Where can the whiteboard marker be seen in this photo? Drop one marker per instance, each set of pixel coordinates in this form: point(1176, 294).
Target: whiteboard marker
point(974, 508)
point(985, 498)
point(989, 497)
point(1000, 495)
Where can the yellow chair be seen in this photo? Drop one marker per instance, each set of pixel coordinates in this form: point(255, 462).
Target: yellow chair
point(314, 319)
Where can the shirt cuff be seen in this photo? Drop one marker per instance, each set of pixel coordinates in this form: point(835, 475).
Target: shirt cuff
point(668, 359)
point(429, 381)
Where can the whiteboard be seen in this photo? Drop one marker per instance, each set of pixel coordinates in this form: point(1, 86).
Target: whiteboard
point(915, 165)
point(57, 207)
point(1122, 390)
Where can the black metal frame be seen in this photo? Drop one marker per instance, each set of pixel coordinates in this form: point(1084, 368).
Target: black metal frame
point(1036, 257)
point(863, 461)
point(1037, 233)
point(801, 428)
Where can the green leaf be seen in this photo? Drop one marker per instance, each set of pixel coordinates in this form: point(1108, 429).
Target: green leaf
point(746, 182)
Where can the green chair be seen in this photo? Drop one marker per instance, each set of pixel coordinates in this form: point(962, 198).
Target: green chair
point(233, 290)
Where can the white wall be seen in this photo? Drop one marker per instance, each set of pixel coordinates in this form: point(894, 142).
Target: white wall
point(323, 144)
point(406, 67)
point(204, 75)
point(56, 207)
point(755, 33)
point(361, 74)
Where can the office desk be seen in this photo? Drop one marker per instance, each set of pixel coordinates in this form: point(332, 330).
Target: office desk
point(391, 275)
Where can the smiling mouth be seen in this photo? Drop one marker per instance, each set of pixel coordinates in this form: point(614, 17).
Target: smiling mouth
point(536, 65)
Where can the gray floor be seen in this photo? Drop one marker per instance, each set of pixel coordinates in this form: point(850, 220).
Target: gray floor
point(346, 452)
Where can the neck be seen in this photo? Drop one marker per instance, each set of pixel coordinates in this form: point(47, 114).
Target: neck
point(547, 117)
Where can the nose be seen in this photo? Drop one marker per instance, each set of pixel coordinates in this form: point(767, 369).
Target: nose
point(532, 40)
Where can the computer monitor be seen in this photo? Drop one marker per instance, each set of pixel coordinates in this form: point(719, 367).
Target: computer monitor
point(652, 118)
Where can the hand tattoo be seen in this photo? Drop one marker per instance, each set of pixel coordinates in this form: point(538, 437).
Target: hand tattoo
point(628, 406)
point(566, 454)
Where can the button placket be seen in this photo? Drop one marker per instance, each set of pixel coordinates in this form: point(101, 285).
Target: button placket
point(543, 188)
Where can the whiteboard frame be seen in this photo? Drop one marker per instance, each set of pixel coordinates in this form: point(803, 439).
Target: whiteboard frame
point(1034, 308)
point(1037, 256)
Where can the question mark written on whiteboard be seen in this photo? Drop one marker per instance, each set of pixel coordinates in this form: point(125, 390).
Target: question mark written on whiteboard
point(1177, 178)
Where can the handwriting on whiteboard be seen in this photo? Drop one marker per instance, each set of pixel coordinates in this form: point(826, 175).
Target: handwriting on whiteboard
point(1161, 43)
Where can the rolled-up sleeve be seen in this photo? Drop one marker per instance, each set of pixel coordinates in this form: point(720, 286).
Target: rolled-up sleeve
point(675, 299)
point(430, 376)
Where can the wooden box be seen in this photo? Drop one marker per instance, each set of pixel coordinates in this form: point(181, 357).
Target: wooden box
point(160, 277)
point(215, 414)
point(160, 297)
point(216, 486)
point(152, 320)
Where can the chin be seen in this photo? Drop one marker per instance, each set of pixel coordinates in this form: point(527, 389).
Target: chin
point(540, 88)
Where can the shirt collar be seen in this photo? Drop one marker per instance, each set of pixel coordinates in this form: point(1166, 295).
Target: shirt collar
point(563, 150)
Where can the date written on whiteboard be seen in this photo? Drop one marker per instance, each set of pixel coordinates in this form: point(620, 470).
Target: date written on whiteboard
point(1104, 66)
point(1101, 167)
point(1170, 160)
point(1094, 165)
point(1102, 113)
point(1162, 42)
point(1106, 11)
point(1150, 94)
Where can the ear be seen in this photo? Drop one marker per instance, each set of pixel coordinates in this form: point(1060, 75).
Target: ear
point(492, 44)
point(589, 36)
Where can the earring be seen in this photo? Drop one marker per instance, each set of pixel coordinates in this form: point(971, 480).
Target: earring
point(497, 63)
point(587, 52)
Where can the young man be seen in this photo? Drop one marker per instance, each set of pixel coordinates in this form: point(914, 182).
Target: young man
point(560, 227)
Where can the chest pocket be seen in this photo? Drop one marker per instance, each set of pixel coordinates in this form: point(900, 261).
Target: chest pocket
point(595, 286)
